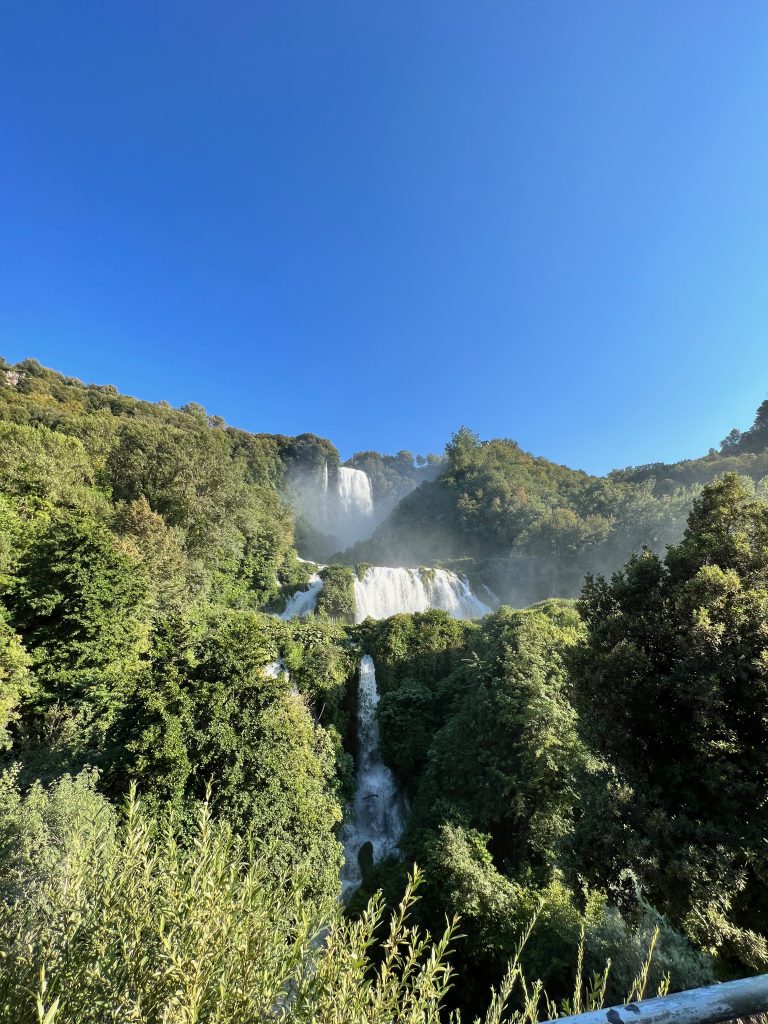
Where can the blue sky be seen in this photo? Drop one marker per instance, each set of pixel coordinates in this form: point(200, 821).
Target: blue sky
point(377, 221)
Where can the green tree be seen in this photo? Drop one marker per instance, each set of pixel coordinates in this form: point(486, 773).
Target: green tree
point(672, 682)
point(508, 758)
point(337, 598)
point(80, 605)
point(239, 534)
point(37, 463)
point(15, 681)
point(213, 713)
point(461, 449)
point(147, 539)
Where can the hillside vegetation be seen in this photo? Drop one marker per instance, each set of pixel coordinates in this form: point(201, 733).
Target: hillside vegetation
point(530, 529)
point(175, 759)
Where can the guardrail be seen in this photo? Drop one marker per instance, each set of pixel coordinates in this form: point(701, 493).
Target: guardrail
point(710, 1005)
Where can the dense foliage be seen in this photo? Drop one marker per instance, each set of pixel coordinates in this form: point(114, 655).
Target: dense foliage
point(530, 529)
point(672, 680)
point(114, 917)
point(479, 723)
point(137, 544)
point(108, 918)
point(600, 763)
point(337, 598)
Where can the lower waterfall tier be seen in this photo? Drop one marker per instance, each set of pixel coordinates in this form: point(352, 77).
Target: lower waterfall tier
point(384, 591)
point(376, 815)
point(387, 591)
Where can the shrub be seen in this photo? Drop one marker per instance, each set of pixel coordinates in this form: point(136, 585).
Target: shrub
point(108, 919)
point(337, 598)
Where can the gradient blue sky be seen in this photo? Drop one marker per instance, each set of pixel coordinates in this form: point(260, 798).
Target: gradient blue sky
point(377, 221)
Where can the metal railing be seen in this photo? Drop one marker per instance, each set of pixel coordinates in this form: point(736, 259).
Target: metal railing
point(710, 1005)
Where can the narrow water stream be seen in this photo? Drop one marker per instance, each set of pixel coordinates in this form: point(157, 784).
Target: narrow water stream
point(376, 816)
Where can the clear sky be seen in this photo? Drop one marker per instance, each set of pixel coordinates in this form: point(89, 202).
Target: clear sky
point(376, 221)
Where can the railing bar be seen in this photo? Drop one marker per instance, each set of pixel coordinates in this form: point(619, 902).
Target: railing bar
point(710, 1005)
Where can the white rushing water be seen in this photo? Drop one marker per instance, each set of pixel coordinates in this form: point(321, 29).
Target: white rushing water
point(303, 601)
point(383, 592)
point(355, 493)
point(339, 504)
point(376, 815)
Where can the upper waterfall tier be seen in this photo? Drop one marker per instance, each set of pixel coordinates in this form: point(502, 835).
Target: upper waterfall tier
point(337, 503)
point(383, 592)
point(355, 493)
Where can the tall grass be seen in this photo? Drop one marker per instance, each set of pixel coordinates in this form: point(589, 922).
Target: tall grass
point(107, 919)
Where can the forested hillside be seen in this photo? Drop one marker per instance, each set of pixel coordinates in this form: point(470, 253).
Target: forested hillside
point(530, 529)
point(604, 760)
point(598, 764)
point(138, 545)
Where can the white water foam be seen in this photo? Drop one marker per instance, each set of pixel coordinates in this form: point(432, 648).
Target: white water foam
point(387, 591)
point(376, 815)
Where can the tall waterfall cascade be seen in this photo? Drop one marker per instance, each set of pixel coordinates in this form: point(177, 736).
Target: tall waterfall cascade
point(376, 814)
point(338, 503)
point(355, 492)
point(384, 591)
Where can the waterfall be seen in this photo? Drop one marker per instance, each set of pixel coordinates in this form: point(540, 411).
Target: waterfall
point(348, 508)
point(383, 592)
point(355, 494)
point(376, 815)
point(303, 601)
point(335, 502)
